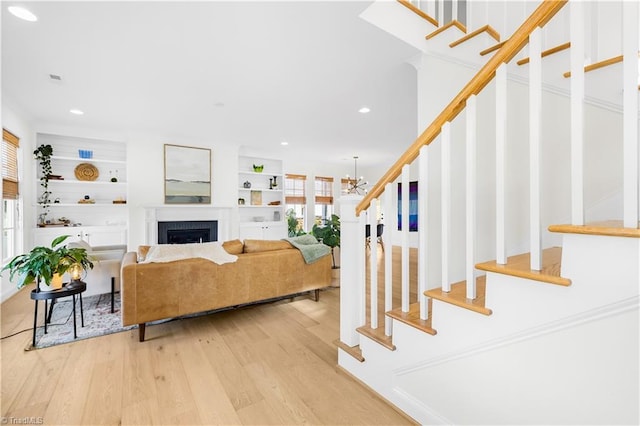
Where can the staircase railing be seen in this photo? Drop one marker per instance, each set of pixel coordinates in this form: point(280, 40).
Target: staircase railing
point(354, 307)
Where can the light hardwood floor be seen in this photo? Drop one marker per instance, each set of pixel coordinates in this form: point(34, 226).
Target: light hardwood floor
point(267, 364)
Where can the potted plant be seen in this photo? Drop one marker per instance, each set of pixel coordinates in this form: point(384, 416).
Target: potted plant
point(43, 154)
point(329, 234)
point(42, 264)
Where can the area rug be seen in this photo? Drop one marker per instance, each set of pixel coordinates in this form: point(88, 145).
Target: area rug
point(98, 321)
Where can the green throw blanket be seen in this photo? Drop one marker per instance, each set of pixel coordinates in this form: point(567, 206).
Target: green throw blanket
point(310, 248)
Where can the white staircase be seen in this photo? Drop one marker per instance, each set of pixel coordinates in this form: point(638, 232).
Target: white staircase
point(553, 339)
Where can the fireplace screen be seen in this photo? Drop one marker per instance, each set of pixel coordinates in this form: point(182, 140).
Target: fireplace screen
point(183, 232)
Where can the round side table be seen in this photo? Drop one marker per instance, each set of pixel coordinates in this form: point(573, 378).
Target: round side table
point(72, 289)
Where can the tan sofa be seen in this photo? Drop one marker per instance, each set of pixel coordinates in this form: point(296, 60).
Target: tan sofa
point(264, 270)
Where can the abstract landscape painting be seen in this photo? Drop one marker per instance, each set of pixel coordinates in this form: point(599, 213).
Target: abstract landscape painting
point(187, 175)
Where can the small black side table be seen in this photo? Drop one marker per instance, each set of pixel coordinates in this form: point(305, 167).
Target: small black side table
point(68, 289)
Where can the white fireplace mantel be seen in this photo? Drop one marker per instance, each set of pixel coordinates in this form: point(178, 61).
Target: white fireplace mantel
point(163, 213)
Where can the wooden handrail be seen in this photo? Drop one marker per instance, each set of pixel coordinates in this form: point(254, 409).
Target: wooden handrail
point(487, 28)
point(418, 12)
point(547, 52)
point(453, 23)
point(543, 13)
point(597, 65)
point(492, 48)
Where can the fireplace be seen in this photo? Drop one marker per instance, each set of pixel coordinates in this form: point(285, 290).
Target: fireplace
point(187, 231)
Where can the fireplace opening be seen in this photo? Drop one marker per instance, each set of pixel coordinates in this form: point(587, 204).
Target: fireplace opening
point(184, 232)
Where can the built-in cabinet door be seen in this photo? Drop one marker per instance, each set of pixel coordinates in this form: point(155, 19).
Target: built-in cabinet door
point(263, 231)
point(93, 235)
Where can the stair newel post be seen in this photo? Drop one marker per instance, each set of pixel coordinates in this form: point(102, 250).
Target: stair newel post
point(535, 113)
point(577, 111)
point(630, 46)
point(405, 238)
point(423, 241)
point(373, 264)
point(501, 135)
point(352, 270)
point(445, 170)
point(471, 197)
point(388, 213)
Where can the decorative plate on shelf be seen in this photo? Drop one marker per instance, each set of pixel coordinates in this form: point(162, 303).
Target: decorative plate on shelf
point(86, 171)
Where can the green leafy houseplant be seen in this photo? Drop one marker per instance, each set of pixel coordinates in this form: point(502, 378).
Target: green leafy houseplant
point(42, 263)
point(329, 234)
point(43, 154)
point(293, 226)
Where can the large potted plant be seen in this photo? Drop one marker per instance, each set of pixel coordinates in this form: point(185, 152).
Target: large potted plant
point(42, 264)
point(329, 234)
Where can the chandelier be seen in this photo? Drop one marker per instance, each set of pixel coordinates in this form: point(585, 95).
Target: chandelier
point(356, 184)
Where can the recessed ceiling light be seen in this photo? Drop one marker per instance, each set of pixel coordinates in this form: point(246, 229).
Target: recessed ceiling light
point(76, 111)
point(284, 143)
point(364, 110)
point(22, 13)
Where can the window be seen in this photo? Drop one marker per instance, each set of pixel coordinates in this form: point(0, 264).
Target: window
point(296, 200)
point(10, 216)
point(346, 183)
point(324, 199)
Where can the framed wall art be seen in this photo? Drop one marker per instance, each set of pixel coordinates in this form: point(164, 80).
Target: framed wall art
point(187, 175)
point(413, 206)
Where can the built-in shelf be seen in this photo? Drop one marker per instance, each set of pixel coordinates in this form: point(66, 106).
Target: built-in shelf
point(88, 160)
point(260, 192)
point(109, 158)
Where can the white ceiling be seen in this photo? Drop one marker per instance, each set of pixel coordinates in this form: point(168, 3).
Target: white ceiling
point(295, 71)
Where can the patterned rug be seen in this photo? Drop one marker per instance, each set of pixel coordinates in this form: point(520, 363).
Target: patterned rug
point(98, 321)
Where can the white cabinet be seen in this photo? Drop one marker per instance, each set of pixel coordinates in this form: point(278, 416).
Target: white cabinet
point(94, 235)
point(263, 231)
point(101, 220)
point(261, 198)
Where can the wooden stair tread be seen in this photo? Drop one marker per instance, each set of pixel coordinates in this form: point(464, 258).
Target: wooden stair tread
point(413, 319)
point(418, 12)
point(458, 296)
point(377, 334)
point(485, 29)
point(445, 27)
point(354, 351)
point(612, 228)
point(520, 266)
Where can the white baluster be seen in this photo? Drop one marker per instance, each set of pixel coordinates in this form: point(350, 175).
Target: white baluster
point(471, 197)
point(630, 114)
point(501, 135)
point(445, 141)
point(389, 210)
point(535, 112)
point(405, 238)
point(577, 111)
point(423, 240)
point(373, 264)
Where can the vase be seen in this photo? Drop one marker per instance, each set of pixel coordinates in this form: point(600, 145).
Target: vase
point(56, 283)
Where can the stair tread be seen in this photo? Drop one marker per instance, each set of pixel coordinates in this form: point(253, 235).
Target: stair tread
point(613, 228)
point(354, 351)
point(413, 319)
point(377, 335)
point(458, 296)
point(520, 266)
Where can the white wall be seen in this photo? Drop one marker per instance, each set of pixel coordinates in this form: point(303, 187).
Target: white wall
point(145, 156)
